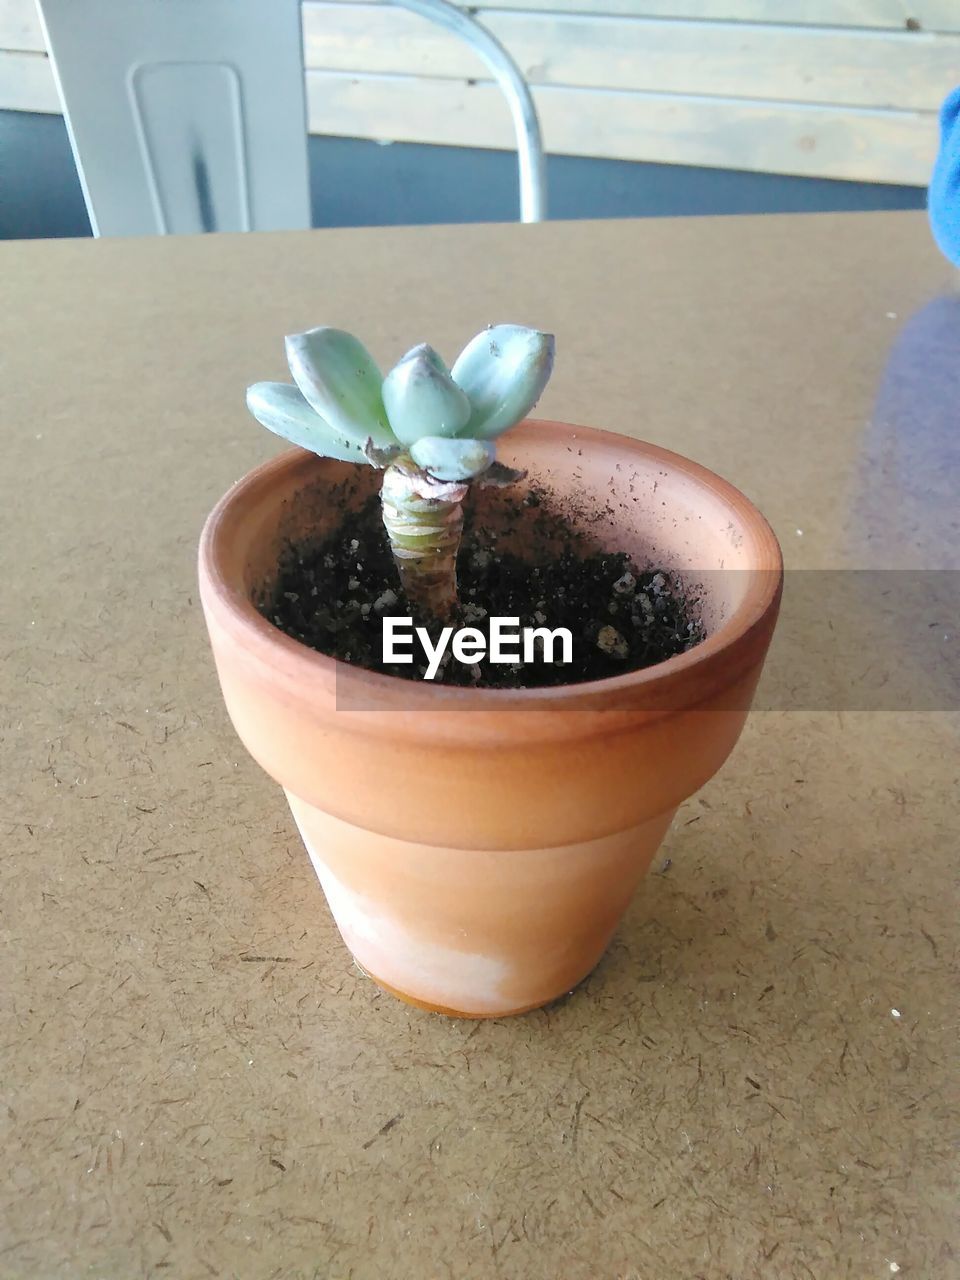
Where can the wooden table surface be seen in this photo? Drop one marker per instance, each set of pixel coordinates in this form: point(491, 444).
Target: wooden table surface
point(760, 1079)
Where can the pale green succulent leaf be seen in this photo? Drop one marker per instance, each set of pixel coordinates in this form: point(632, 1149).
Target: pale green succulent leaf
point(421, 399)
point(425, 349)
point(284, 411)
point(453, 460)
point(503, 370)
point(340, 379)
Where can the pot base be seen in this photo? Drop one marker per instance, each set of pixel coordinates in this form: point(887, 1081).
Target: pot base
point(475, 933)
point(450, 1013)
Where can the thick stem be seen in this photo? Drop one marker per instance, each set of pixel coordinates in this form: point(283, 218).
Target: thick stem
point(424, 520)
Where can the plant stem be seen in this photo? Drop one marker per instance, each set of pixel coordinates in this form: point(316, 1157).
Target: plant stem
point(424, 520)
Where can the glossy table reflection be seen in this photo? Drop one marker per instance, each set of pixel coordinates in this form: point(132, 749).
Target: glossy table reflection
point(760, 1078)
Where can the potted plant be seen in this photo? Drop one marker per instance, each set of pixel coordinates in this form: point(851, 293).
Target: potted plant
point(479, 815)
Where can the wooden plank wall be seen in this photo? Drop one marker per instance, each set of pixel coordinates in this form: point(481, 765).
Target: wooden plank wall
point(824, 88)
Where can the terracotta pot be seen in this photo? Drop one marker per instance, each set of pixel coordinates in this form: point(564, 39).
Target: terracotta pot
point(478, 847)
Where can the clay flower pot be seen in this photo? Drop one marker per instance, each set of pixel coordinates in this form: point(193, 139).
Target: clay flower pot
point(478, 847)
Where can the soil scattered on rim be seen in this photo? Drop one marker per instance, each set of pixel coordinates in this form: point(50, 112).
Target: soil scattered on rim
point(332, 594)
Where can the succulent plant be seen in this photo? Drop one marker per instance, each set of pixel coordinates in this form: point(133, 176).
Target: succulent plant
point(431, 430)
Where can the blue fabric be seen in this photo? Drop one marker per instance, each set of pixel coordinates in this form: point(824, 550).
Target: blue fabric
point(943, 198)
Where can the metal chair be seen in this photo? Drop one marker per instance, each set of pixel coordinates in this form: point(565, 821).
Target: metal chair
point(192, 117)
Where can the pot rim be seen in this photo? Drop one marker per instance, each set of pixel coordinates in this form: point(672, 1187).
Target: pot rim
point(652, 685)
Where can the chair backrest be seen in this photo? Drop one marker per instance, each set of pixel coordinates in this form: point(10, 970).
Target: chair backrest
point(191, 117)
point(184, 117)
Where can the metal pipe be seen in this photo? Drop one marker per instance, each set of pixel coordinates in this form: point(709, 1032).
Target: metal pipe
point(526, 123)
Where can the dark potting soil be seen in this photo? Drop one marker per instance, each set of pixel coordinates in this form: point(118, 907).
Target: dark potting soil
point(332, 595)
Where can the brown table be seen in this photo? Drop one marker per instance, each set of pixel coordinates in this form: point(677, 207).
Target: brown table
point(760, 1078)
